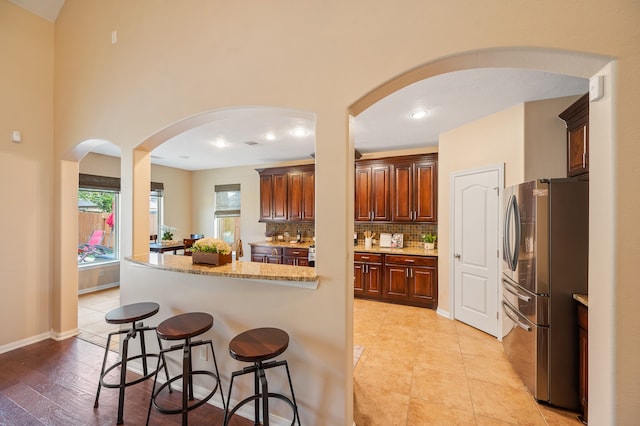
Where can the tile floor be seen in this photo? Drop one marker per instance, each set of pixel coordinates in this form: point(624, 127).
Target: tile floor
point(418, 368)
point(91, 310)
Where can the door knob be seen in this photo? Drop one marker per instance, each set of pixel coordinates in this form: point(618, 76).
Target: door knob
point(457, 255)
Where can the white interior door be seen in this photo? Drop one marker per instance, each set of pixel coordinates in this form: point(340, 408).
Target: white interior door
point(476, 262)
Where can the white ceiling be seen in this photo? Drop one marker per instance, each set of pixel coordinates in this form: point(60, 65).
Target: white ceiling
point(452, 99)
point(46, 9)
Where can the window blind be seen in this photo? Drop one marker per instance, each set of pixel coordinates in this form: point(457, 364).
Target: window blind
point(227, 200)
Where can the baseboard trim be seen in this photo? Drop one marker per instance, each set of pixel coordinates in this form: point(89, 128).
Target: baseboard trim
point(98, 288)
point(443, 313)
point(64, 335)
point(24, 342)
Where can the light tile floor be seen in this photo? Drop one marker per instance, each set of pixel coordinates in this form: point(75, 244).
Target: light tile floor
point(418, 368)
point(92, 308)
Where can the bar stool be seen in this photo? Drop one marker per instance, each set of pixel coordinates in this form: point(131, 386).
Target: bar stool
point(185, 327)
point(259, 345)
point(133, 313)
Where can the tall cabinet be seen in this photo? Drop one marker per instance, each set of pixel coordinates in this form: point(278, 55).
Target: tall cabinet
point(577, 119)
point(287, 194)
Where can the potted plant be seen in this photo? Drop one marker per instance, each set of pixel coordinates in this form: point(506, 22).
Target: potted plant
point(167, 233)
point(211, 251)
point(429, 241)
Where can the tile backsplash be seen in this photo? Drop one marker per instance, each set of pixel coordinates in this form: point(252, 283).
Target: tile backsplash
point(412, 232)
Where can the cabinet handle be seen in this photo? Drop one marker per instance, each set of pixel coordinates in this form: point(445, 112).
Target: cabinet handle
point(364, 257)
point(407, 273)
point(409, 260)
point(584, 148)
point(411, 273)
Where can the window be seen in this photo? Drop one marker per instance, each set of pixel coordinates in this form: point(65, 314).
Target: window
point(156, 210)
point(98, 220)
point(227, 213)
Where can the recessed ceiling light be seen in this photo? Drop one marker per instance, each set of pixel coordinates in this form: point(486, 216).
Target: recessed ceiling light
point(270, 136)
point(299, 132)
point(220, 143)
point(418, 114)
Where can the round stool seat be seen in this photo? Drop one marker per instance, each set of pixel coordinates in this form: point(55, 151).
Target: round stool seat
point(132, 313)
point(184, 326)
point(259, 344)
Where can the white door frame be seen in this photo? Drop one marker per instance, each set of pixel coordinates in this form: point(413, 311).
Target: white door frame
point(500, 169)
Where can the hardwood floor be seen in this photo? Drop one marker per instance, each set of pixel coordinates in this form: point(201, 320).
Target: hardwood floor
point(54, 383)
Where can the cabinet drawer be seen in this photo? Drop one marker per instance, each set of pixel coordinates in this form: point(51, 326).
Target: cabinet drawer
point(583, 317)
point(410, 260)
point(295, 252)
point(367, 257)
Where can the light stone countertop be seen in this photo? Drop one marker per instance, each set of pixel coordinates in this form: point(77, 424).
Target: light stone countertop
point(582, 298)
point(302, 244)
point(413, 251)
point(293, 276)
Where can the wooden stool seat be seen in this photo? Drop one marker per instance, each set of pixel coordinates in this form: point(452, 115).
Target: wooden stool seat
point(259, 344)
point(184, 326)
point(132, 313)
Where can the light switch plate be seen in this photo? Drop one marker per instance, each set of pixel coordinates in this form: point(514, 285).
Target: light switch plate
point(16, 136)
point(596, 87)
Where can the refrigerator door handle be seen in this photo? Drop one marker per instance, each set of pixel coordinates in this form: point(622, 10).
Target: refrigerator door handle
point(510, 288)
point(506, 235)
point(516, 251)
point(519, 323)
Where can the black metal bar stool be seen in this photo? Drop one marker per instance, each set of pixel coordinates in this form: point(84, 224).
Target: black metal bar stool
point(134, 314)
point(259, 345)
point(185, 327)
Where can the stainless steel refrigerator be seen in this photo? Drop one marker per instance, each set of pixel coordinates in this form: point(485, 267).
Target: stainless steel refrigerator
point(545, 261)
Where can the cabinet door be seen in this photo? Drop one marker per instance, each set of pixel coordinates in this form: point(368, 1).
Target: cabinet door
point(362, 206)
point(373, 280)
point(402, 193)
point(257, 258)
point(425, 197)
point(279, 197)
point(578, 150)
point(308, 196)
point(421, 285)
point(358, 279)
point(380, 189)
point(266, 191)
point(396, 282)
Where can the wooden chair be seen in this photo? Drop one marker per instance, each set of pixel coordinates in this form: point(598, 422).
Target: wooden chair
point(153, 238)
point(188, 242)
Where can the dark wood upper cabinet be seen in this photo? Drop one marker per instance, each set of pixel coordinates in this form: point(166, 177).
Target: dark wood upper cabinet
point(287, 194)
point(414, 189)
point(301, 196)
point(576, 118)
point(372, 191)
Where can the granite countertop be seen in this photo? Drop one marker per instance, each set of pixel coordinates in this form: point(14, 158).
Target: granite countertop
point(297, 276)
point(413, 251)
point(582, 298)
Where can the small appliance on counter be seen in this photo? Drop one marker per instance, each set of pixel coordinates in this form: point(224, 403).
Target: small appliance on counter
point(385, 240)
point(312, 255)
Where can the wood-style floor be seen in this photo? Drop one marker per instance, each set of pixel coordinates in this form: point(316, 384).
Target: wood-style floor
point(54, 383)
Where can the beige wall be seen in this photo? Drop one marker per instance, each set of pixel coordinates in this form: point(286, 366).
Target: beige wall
point(173, 62)
point(496, 139)
point(177, 199)
point(26, 176)
point(545, 135)
point(100, 165)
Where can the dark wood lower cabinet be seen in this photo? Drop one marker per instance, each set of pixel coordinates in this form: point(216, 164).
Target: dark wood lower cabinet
point(583, 350)
point(367, 275)
point(266, 254)
point(408, 280)
point(295, 257)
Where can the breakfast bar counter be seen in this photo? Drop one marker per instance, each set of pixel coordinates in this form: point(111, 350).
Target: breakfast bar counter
point(296, 276)
point(242, 296)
